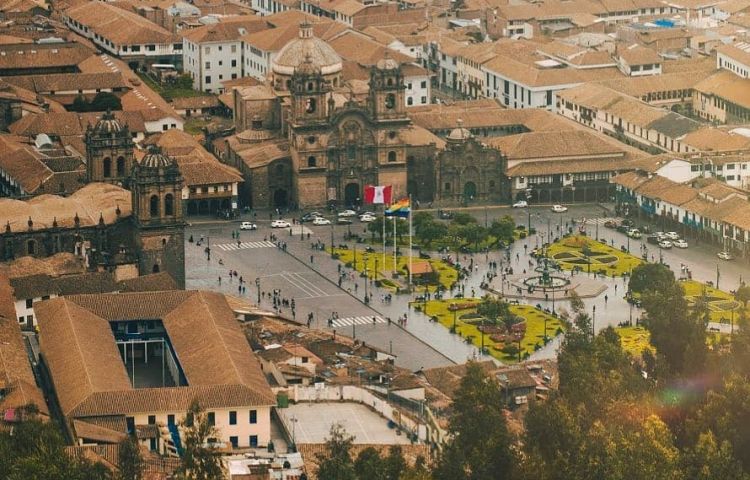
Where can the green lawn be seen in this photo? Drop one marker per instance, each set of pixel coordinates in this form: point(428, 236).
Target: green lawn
point(634, 340)
point(447, 275)
point(169, 92)
point(568, 252)
point(452, 244)
point(534, 317)
point(721, 303)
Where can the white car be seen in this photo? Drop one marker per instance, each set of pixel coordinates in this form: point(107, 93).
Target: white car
point(280, 224)
point(634, 233)
point(321, 221)
point(347, 213)
point(366, 218)
point(248, 226)
point(521, 204)
point(672, 235)
point(559, 208)
point(665, 244)
point(725, 255)
point(372, 214)
point(680, 243)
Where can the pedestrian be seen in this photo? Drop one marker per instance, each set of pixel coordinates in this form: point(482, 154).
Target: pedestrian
point(311, 259)
point(219, 279)
point(605, 299)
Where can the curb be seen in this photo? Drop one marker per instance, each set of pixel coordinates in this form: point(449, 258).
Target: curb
point(370, 308)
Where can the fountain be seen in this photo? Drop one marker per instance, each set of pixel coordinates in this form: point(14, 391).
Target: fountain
point(546, 280)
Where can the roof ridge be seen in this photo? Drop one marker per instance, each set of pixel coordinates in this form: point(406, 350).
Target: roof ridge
point(223, 342)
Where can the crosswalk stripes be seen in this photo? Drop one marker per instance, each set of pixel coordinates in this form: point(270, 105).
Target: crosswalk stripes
point(600, 220)
point(363, 320)
point(243, 245)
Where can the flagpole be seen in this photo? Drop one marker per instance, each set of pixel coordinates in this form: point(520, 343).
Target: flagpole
point(385, 219)
point(395, 262)
point(410, 244)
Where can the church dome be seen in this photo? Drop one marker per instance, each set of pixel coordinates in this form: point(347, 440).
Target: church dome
point(307, 49)
point(108, 124)
point(156, 160)
point(387, 63)
point(459, 134)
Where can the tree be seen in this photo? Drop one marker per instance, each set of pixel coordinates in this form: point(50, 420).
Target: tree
point(461, 218)
point(473, 233)
point(79, 104)
point(337, 463)
point(503, 228)
point(648, 277)
point(493, 308)
point(480, 444)
point(130, 461)
point(678, 335)
point(104, 101)
point(199, 460)
point(743, 294)
point(431, 231)
point(576, 304)
point(369, 465)
point(711, 459)
point(394, 463)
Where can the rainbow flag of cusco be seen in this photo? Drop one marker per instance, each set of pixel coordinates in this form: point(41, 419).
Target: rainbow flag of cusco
point(399, 209)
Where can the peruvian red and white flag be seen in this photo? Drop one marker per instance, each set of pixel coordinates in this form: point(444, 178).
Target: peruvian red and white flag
point(378, 194)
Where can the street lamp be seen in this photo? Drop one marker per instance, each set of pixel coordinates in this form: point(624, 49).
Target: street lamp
point(257, 285)
point(367, 280)
point(593, 322)
point(455, 310)
point(331, 239)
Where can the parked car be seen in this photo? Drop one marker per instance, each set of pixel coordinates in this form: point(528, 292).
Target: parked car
point(559, 208)
point(521, 204)
point(725, 255)
point(680, 243)
point(672, 236)
point(634, 233)
point(366, 218)
point(653, 239)
point(627, 222)
point(665, 244)
point(344, 221)
point(610, 224)
point(248, 226)
point(372, 214)
point(309, 217)
point(321, 221)
point(280, 224)
point(347, 213)
point(622, 228)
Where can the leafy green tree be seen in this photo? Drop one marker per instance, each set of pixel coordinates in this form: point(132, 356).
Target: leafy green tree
point(503, 229)
point(199, 460)
point(743, 294)
point(104, 101)
point(480, 444)
point(79, 104)
point(130, 461)
point(394, 463)
point(711, 459)
point(461, 218)
point(369, 465)
point(493, 308)
point(678, 335)
point(417, 472)
point(337, 463)
point(473, 233)
point(431, 231)
point(648, 277)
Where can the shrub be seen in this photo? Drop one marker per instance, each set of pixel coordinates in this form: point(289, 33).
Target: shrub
point(522, 235)
point(510, 349)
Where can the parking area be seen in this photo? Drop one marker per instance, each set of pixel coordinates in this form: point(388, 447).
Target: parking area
point(311, 423)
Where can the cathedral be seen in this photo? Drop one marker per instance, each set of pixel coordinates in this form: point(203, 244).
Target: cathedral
point(306, 138)
point(128, 219)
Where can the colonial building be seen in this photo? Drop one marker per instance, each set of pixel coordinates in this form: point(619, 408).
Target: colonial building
point(337, 143)
point(109, 227)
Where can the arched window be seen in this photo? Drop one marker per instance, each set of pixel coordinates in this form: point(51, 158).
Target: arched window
point(155, 269)
point(154, 206)
point(312, 161)
point(31, 247)
point(120, 166)
point(390, 101)
point(309, 86)
point(310, 105)
point(169, 204)
point(389, 82)
point(391, 156)
point(107, 163)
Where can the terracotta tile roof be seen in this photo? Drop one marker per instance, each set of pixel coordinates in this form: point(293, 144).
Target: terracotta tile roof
point(45, 84)
point(714, 139)
point(26, 169)
point(525, 169)
point(209, 173)
point(447, 379)
point(567, 143)
point(667, 190)
point(87, 203)
point(629, 180)
point(14, 56)
point(119, 26)
point(639, 87)
point(734, 51)
point(728, 86)
point(638, 55)
point(153, 282)
point(64, 263)
point(486, 113)
point(90, 431)
point(228, 29)
point(208, 101)
point(261, 154)
point(357, 47)
point(71, 124)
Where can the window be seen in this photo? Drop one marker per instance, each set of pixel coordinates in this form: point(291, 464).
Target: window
point(45, 297)
point(170, 419)
point(130, 422)
point(30, 319)
point(221, 63)
point(120, 166)
point(29, 302)
point(410, 101)
point(234, 63)
point(305, 359)
point(311, 161)
point(234, 441)
point(234, 48)
point(169, 204)
point(20, 320)
point(211, 418)
point(165, 127)
point(232, 418)
point(253, 416)
point(107, 167)
point(208, 79)
point(310, 105)
point(391, 156)
point(154, 206)
point(311, 139)
point(447, 187)
point(152, 419)
point(253, 441)
point(392, 134)
point(151, 48)
point(423, 100)
point(390, 101)
point(424, 84)
point(207, 50)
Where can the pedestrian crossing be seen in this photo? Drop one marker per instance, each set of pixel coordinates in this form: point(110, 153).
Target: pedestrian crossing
point(600, 220)
point(243, 245)
point(349, 321)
